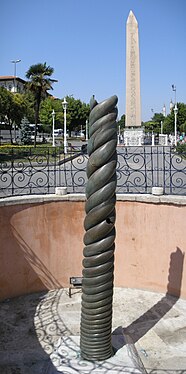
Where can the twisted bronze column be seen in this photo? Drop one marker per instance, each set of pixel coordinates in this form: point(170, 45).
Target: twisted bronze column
point(98, 262)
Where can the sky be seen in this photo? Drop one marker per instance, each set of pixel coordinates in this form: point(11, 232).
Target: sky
point(85, 42)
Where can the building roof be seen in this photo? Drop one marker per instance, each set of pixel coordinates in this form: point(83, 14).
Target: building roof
point(10, 78)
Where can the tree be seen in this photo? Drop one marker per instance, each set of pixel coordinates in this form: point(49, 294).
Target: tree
point(12, 109)
point(154, 125)
point(25, 132)
point(168, 126)
point(29, 106)
point(183, 127)
point(181, 116)
point(121, 122)
point(39, 84)
point(157, 119)
point(77, 114)
point(47, 106)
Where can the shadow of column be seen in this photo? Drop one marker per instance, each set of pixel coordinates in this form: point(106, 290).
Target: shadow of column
point(145, 322)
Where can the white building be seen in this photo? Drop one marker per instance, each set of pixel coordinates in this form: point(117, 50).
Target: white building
point(12, 83)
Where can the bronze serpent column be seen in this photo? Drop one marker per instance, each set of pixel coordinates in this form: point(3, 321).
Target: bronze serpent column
point(98, 262)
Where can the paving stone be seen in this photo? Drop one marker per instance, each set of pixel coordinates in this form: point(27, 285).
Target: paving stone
point(36, 332)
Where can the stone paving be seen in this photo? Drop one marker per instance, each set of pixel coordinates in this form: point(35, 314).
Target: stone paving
point(39, 334)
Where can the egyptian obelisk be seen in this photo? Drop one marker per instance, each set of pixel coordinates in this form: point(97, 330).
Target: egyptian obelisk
point(133, 128)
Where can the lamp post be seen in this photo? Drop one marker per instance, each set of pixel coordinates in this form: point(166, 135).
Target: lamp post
point(86, 138)
point(161, 127)
point(175, 124)
point(174, 89)
point(15, 62)
point(164, 111)
point(53, 123)
point(64, 103)
point(175, 115)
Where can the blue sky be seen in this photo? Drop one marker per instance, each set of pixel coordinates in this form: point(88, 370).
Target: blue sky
point(84, 41)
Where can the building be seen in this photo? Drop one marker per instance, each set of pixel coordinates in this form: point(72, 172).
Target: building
point(12, 83)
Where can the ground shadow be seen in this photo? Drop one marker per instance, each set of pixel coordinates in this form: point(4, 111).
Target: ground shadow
point(20, 349)
point(144, 323)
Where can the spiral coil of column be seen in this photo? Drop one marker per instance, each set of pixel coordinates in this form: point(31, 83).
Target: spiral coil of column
point(98, 262)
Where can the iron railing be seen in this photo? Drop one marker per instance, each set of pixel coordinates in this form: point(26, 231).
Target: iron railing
point(138, 170)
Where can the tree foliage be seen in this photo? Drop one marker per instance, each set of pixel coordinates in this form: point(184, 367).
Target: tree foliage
point(47, 107)
point(169, 123)
point(39, 83)
point(77, 114)
point(12, 109)
point(29, 106)
point(154, 125)
point(121, 122)
point(25, 132)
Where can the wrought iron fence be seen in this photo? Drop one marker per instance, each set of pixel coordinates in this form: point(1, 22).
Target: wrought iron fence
point(138, 170)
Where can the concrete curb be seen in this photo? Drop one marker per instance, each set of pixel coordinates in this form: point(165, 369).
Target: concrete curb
point(146, 198)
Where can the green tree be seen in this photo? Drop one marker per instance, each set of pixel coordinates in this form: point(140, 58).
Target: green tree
point(148, 126)
point(121, 123)
point(77, 114)
point(181, 116)
point(25, 132)
point(47, 106)
point(6, 99)
point(183, 127)
point(12, 109)
point(157, 119)
point(29, 106)
point(168, 126)
point(40, 82)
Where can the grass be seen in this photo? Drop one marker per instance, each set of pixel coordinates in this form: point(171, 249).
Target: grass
point(14, 152)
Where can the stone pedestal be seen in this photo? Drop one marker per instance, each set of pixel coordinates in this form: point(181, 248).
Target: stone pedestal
point(133, 137)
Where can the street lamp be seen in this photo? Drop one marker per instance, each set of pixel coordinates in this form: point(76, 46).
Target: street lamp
point(175, 124)
point(175, 115)
point(174, 89)
point(86, 138)
point(53, 122)
point(15, 62)
point(64, 103)
point(161, 127)
point(164, 111)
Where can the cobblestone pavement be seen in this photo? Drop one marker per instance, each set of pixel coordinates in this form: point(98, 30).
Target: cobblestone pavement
point(32, 327)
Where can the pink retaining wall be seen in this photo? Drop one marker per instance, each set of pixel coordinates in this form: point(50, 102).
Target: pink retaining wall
point(41, 246)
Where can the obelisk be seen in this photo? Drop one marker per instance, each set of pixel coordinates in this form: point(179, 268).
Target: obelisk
point(133, 130)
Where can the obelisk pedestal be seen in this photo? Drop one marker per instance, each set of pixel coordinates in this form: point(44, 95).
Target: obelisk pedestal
point(133, 134)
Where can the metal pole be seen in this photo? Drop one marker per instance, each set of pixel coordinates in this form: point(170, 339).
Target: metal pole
point(86, 130)
point(161, 127)
point(175, 115)
point(15, 62)
point(53, 122)
point(65, 129)
point(175, 125)
point(65, 124)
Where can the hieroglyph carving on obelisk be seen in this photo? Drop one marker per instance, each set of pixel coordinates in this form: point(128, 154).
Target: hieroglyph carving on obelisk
point(133, 102)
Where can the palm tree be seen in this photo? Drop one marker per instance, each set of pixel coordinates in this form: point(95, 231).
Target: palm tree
point(39, 84)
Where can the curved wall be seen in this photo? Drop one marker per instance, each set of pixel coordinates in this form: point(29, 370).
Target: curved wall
point(42, 240)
